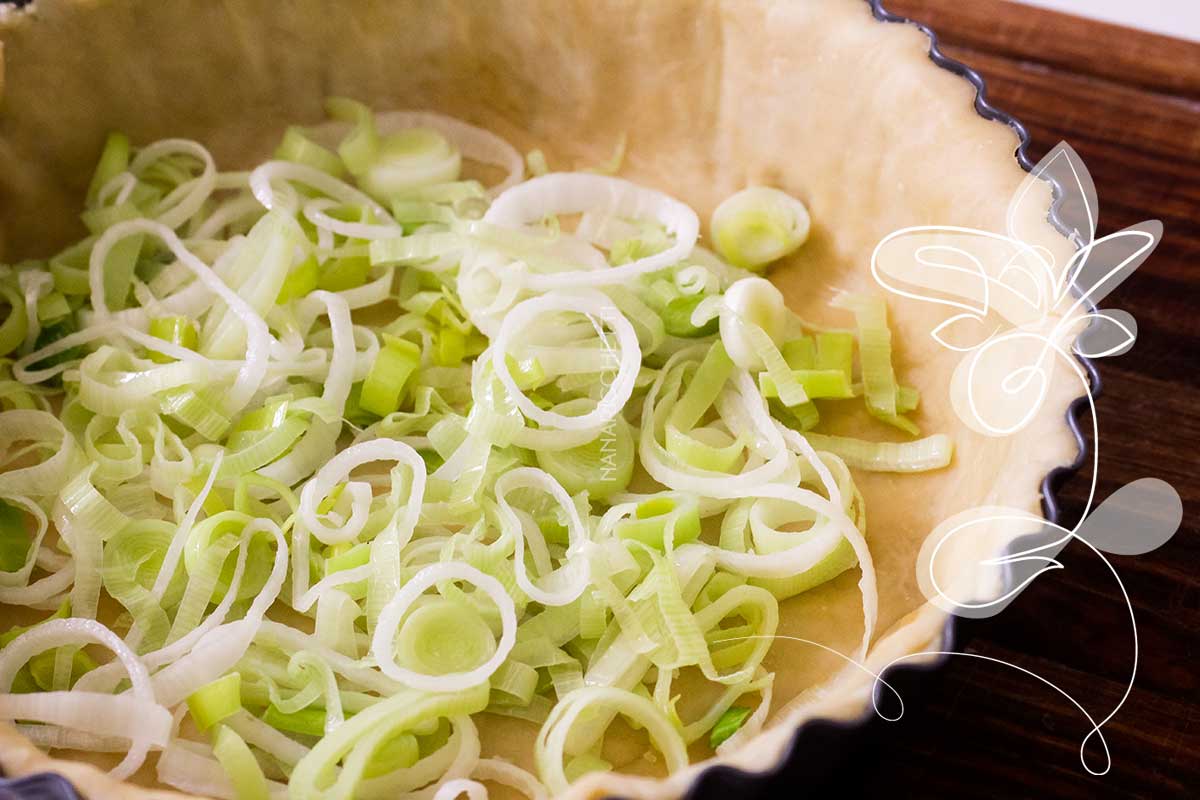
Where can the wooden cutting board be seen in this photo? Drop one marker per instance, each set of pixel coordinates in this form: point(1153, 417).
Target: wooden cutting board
point(1129, 103)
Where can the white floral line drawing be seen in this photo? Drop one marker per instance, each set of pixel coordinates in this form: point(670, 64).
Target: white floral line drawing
point(1137, 518)
point(1108, 513)
point(1016, 280)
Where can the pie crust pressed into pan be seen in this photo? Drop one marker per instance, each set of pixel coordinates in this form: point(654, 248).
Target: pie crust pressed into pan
point(817, 97)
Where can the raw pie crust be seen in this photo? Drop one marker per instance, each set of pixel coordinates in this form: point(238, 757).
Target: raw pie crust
point(814, 96)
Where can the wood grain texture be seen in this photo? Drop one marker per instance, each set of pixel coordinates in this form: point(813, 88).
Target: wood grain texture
point(1063, 43)
point(1129, 102)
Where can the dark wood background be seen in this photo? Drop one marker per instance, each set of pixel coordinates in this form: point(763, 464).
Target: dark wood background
point(1129, 103)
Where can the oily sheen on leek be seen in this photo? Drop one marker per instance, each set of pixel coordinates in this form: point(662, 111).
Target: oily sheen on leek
point(305, 467)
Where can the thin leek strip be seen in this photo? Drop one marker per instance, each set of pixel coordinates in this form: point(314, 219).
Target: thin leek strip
point(35, 286)
point(457, 787)
point(796, 559)
point(708, 449)
point(875, 353)
point(552, 738)
point(114, 159)
point(359, 147)
point(514, 683)
point(677, 318)
point(812, 383)
point(46, 478)
point(336, 613)
point(211, 648)
point(714, 370)
point(116, 462)
point(306, 721)
point(621, 664)
point(385, 382)
point(132, 559)
point(136, 717)
point(454, 759)
point(214, 702)
point(408, 158)
point(476, 144)
point(662, 523)
point(299, 282)
point(239, 764)
point(567, 584)
point(536, 161)
point(317, 212)
point(15, 325)
point(297, 147)
point(258, 337)
point(266, 738)
point(834, 351)
point(765, 622)
point(189, 766)
point(761, 429)
point(322, 676)
point(52, 306)
point(645, 319)
point(235, 526)
point(279, 635)
point(53, 737)
point(187, 198)
point(19, 549)
point(836, 561)
point(751, 726)
point(110, 382)
point(257, 273)
point(203, 343)
point(310, 779)
point(175, 550)
point(210, 576)
point(932, 452)
point(785, 384)
point(84, 518)
point(907, 399)
point(359, 493)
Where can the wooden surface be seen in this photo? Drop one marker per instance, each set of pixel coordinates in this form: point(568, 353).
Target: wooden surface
point(1129, 103)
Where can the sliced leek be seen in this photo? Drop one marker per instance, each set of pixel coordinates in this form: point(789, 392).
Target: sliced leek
point(354, 446)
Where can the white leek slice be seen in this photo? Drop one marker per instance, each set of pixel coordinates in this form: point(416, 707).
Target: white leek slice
point(137, 717)
point(568, 583)
point(486, 541)
point(573, 193)
point(759, 225)
point(389, 622)
point(751, 302)
point(597, 307)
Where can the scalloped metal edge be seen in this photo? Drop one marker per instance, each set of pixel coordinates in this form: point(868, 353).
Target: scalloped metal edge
point(816, 740)
point(39, 786)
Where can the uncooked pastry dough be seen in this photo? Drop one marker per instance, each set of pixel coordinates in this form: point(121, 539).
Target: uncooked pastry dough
point(813, 96)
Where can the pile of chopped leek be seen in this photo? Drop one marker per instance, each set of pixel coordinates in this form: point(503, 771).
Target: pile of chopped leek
point(305, 467)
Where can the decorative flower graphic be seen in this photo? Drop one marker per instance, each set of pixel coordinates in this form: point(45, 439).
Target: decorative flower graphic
point(1019, 313)
point(1016, 308)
